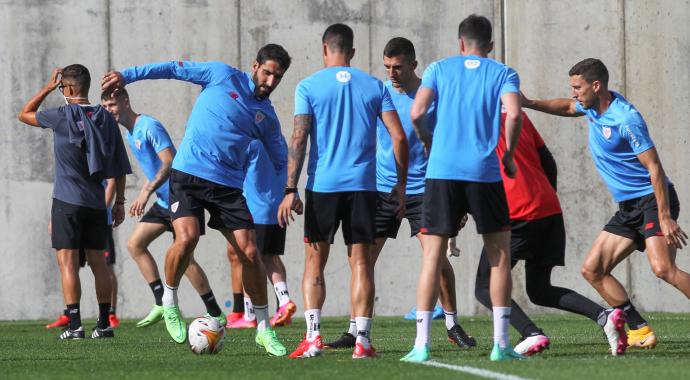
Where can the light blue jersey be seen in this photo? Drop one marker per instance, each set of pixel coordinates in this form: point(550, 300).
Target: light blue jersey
point(146, 140)
point(263, 186)
point(616, 137)
point(345, 103)
point(468, 116)
point(386, 173)
point(225, 119)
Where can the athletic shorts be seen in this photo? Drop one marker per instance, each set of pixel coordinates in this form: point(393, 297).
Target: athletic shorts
point(323, 213)
point(270, 239)
point(75, 227)
point(638, 219)
point(540, 242)
point(446, 201)
point(190, 195)
point(108, 252)
point(387, 225)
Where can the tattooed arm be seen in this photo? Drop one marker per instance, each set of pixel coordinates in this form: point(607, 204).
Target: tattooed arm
point(296, 154)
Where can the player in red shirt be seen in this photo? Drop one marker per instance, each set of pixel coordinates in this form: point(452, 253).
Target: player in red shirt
point(538, 237)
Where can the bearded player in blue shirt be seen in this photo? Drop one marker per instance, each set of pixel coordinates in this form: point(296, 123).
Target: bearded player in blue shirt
point(463, 173)
point(208, 171)
point(337, 109)
point(627, 161)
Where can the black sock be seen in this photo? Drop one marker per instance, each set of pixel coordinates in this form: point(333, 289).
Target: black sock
point(74, 316)
point(65, 312)
point(157, 289)
point(103, 309)
point(238, 302)
point(277, 304)
point(211, 305)
point(112, 310)
point(635, 320)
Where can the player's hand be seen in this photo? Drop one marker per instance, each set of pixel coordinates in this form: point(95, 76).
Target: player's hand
point(426, 138)
point(139, 205)
point(453, 249)
point(398, 194)
point(524, 100)
point(509, 166)
point(54, 80)
point(112, 81)
point(290, 203)
point(118, 213)
point(674, 235)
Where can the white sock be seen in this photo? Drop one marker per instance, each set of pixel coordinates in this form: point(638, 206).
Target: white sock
point(501, 322)
point(352, 330)
point(248, 309)
point(363, 330)
point(261, 317)
point(169, 296)
point(282, 293)
point(451, 319)
point(423, 329)
point(313, 319)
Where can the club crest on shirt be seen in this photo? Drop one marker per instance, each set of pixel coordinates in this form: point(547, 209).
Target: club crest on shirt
point(606, 131)
point(137, 143)
point(259, 117)
point(80, 125)
point(472, 63)
point(174, 206)
point(343, 76)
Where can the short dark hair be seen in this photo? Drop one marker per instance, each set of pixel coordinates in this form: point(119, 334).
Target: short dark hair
point(476, 29)
point(339, 38)
point(591, 69)
point(400, 46)
point(79, 74)
point(121, 93)
point(274, 52)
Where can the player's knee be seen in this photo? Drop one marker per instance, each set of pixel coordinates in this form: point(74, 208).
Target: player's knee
point(134, 247)
point(250, 255)
point(590, 274)
point(663, 271)
point(187, 240)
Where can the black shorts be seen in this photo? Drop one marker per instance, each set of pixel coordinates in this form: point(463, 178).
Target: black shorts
point(108, 252)
point(157, 214)
point(75, 227)
point(539, 242)
point(446, 201)
point(638, 219)
point(270, 239)
point(190, 195)
point(323, 212)
point(387, 225)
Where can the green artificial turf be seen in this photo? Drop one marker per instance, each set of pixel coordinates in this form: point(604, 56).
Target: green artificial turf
point(578, 351)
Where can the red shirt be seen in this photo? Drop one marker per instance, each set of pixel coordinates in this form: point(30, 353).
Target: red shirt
point(530, 195)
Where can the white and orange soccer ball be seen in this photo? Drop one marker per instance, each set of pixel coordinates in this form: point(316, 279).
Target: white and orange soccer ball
point(206, 336)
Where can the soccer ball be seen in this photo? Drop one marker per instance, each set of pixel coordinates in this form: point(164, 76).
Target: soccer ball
point(206, 336)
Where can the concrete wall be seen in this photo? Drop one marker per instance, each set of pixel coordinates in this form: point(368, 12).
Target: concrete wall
point(644, 44)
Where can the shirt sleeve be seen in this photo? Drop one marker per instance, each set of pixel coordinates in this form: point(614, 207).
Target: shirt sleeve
point(275, 144)
point(634, 130)
point(158, 137)
point(201, 73)
point(48, 118)
point(302, 103)
point(386, 100)
point(512, 82)
point(429, 77)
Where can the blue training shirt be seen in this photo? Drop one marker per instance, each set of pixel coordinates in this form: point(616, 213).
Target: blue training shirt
point(616, 137)
point(468, 116)
point(146, 140)
point(386, 173)
point(345, 103)
point(263, 185)
point(225, 119)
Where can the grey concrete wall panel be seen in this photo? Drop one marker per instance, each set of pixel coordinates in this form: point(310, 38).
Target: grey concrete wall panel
point(544, 39)
point(36, 38)
point(657, 50)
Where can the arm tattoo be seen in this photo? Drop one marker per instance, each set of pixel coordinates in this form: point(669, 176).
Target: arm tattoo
point(298, 148)
point(161, 176)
